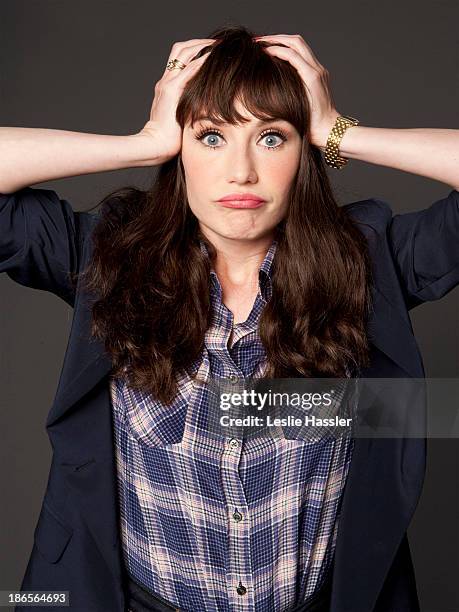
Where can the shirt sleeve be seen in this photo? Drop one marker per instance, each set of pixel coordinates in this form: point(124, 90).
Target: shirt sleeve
point(41, 240)
point(425, 248)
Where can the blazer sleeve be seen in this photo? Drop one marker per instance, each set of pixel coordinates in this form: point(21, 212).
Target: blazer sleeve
point(41, 240)
point(425, 248)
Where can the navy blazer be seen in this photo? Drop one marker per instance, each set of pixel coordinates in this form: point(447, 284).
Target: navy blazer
point(415, 258)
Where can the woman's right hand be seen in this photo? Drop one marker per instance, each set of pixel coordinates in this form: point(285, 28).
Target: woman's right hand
point(162, 130)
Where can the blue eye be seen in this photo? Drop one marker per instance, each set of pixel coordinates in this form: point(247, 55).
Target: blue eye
point(274, 133)
point(206, 133)
point(217, 134)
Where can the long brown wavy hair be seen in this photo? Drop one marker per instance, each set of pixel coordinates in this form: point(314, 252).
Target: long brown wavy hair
point(150, 282)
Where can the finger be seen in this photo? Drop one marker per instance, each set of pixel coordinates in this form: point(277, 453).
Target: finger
point(186, 50)
point(193, 66)
point(185, 54)
point(196, 61)
point(193, 41)
point(306, 71)
point(299, 44)
point(296, 42)
point(179, 47)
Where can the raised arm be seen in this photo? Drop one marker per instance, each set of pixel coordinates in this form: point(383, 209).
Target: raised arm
point(41, 236)
point(34, 155)
point(429, 152)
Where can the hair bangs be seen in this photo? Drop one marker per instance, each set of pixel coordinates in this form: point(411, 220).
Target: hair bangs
point(268, 87)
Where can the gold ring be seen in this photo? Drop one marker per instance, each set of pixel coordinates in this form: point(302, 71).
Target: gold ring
point(175, 63)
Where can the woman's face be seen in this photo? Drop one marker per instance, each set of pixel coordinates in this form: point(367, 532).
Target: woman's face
point(253, 158)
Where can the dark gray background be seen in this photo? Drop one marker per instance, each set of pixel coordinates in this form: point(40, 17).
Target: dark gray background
point(91, 66)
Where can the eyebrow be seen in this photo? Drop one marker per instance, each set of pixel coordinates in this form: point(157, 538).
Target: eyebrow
point(258, 123)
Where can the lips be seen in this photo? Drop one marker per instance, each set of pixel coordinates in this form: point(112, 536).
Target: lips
point(241, 200)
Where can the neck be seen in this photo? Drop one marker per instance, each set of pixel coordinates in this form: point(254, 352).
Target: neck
point(237, 262)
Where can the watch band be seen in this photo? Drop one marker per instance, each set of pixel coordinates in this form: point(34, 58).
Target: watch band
point(331, 153)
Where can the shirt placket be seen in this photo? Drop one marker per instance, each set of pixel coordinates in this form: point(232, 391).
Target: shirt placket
point(225, 360)
point(239, 566)
point(239, 572)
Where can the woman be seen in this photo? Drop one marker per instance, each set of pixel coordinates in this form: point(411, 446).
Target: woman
point(146, 509)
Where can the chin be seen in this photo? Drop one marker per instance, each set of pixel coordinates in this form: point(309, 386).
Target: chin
point(249, 237)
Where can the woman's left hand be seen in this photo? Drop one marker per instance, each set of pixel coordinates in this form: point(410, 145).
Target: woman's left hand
point(315, 78)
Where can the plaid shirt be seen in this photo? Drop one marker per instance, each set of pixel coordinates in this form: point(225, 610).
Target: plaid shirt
point(227, 524)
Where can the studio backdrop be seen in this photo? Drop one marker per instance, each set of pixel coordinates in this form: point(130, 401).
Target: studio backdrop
point(91, 67)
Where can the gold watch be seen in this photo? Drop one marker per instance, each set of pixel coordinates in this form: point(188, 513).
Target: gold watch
point(331, 153)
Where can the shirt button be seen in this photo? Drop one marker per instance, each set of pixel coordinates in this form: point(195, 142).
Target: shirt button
point(237, 516)
point(241, 590)
point(233, 378)
point(233, 443)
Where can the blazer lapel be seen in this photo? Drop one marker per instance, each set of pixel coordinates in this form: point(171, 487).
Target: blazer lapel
point(393, 335)
point(87, 458)
point(85, 363)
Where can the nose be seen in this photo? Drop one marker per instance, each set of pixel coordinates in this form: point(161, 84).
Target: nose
point(241, 167)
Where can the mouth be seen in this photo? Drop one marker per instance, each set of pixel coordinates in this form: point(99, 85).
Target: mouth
point(241, 200)
point(241, 203)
